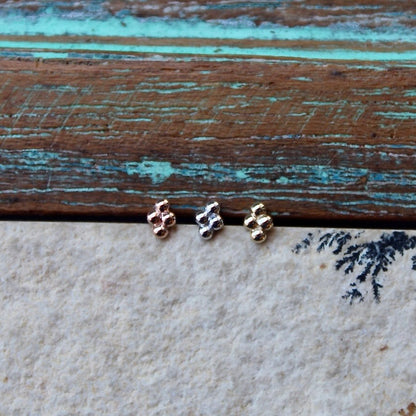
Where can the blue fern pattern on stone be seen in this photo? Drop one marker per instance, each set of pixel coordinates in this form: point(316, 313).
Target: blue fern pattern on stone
point(337, 240)
point(366, 260)
point(304, 244)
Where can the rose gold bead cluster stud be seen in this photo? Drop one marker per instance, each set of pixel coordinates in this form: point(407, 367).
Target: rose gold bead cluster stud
point(161, 219)
point(258, 222)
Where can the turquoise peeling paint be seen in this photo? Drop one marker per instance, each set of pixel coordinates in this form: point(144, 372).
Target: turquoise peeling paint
point(397, 115)
point(202, 139)
point(381, 66)
point(410, 93)
point(328, 54)
point(278, 4)
point(367, 146)
point(158, 172)
point(38, 162)
point(304, 79)
point(49, 55)
point(53, 22)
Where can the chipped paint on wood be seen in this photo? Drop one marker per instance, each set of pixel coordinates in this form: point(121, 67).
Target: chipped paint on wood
point(47, 50)
point(52, 20)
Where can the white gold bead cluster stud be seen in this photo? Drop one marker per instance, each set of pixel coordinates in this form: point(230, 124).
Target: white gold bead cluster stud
point(209, 220)
point(161, 219)
point(258, 222)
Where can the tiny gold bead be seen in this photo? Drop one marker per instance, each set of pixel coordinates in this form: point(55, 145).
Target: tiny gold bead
point(153, 218)
point(265, 222)
point(160, 232)
point(258, 235)
point(168, 219)
point(162, 206)
point(258, 209)
point(250, 222)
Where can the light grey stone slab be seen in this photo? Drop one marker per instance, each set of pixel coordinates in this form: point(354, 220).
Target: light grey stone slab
point(103, 319)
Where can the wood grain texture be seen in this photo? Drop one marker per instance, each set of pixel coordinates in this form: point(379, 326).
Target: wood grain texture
point(103, 125)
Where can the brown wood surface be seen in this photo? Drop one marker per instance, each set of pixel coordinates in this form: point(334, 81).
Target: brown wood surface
point(102, 132)
point(312, 149)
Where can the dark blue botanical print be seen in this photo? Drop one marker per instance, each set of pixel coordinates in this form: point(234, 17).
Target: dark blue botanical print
point(337, 240)
point(367, 261)
point(414, 263)
point(304, 244)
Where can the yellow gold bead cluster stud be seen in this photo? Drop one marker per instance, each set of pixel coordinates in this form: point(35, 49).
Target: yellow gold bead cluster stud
point(258, 222)
point(161, 219)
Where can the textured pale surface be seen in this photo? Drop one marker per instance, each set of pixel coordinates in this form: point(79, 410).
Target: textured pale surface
point(105, 319)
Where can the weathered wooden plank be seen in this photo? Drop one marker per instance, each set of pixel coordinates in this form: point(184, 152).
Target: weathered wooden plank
point(369, 31)
point(313, 140)
point(307, 106)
